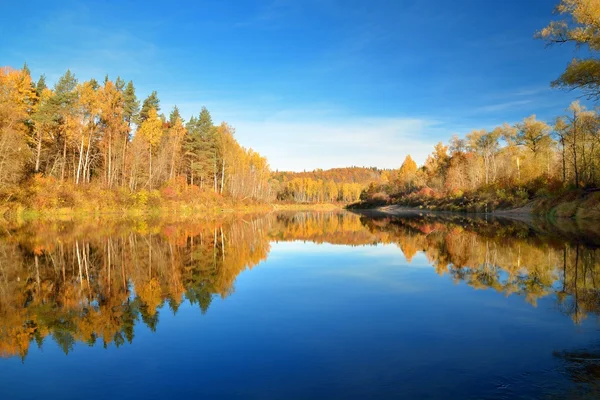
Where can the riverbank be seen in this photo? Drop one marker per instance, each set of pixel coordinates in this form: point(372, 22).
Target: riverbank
point(575, 204)
point(522, 214)
point(585, 231)
point(46, 198)
point(17, 212)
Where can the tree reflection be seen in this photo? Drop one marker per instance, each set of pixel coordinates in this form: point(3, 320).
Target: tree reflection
point(94, 282)
point(507, 256)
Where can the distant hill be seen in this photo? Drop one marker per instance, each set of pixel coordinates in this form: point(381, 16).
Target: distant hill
point(332, 185)
point(361, 175)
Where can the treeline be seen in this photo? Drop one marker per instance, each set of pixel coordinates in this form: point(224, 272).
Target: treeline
point(333, 185)
point(98, 133)
point(307, 190)
point(362, 175)
point(506, 166)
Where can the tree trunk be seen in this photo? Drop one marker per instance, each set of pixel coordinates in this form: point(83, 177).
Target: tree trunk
point(80, 162)
point(192, 173)
point(564, 161)
point(222, 175)
point(86, 165)
point(123, 178)
point(64, 157)
point(109, 170)
point(38, 152)
point(215, 174)
point(150, 169)
point(575, 167)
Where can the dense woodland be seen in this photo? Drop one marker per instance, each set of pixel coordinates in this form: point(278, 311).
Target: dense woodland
point(82, 135)
point(90, 133)
point(96, 283)
point(60, 141)
point(337, 184)
point(504, 167)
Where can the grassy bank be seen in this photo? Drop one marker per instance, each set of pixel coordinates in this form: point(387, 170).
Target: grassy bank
point(48, 199)
point(172, 209)
point(574, 204)
point(579, 204)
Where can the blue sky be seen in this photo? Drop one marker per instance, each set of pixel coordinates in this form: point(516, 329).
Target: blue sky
point(310, 83)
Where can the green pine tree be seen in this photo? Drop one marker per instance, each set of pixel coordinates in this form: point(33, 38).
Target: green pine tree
point(150, 102)
point(131, 104)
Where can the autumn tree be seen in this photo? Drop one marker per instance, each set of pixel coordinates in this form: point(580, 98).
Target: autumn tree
point(43, 119)
point(436, 166)
point(534, 135)
point(16, 97)
point(89, 106)
point(115, 131)
point(577, 133)
point(175, 136)
point(407, 173)
point(579, 26)
point(150, 132)
point(485, 145)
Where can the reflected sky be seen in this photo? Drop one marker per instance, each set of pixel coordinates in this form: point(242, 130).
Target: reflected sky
point(296, 319)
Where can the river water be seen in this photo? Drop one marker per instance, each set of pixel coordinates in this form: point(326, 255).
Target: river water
point(299, 305)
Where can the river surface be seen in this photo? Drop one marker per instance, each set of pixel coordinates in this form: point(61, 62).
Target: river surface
point(299, 305)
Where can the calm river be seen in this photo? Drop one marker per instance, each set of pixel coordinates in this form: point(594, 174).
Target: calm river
point(299, 305)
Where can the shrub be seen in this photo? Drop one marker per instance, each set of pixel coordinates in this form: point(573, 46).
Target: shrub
point(140, 198)
point(590, 207)
point(566, 209)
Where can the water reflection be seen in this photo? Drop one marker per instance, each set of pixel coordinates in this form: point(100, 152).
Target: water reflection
point(511, 257)
point(96, 281)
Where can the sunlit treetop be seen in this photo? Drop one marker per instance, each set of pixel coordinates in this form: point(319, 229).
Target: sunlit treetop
point(581, 26)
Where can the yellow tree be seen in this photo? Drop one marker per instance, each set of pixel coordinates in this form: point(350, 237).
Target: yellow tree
point(534, 135)
point(436, 166)
point(576, 133)
point(16, 98)
point(580, 26)
point(407, 173)
point(43, 120)
point(89, 110)
point(115, 130)
point(485, 144)
point(332, 190)
point(151, 132)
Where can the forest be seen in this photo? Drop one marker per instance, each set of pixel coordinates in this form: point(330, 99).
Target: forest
point(509, 166)
point(65, 145)
point(337, 184)
point(61, 146)
point(58, 142)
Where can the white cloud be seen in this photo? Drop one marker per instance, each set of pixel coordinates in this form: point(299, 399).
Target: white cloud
point(321, 135)
point(490, 108)
point(290, 144)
